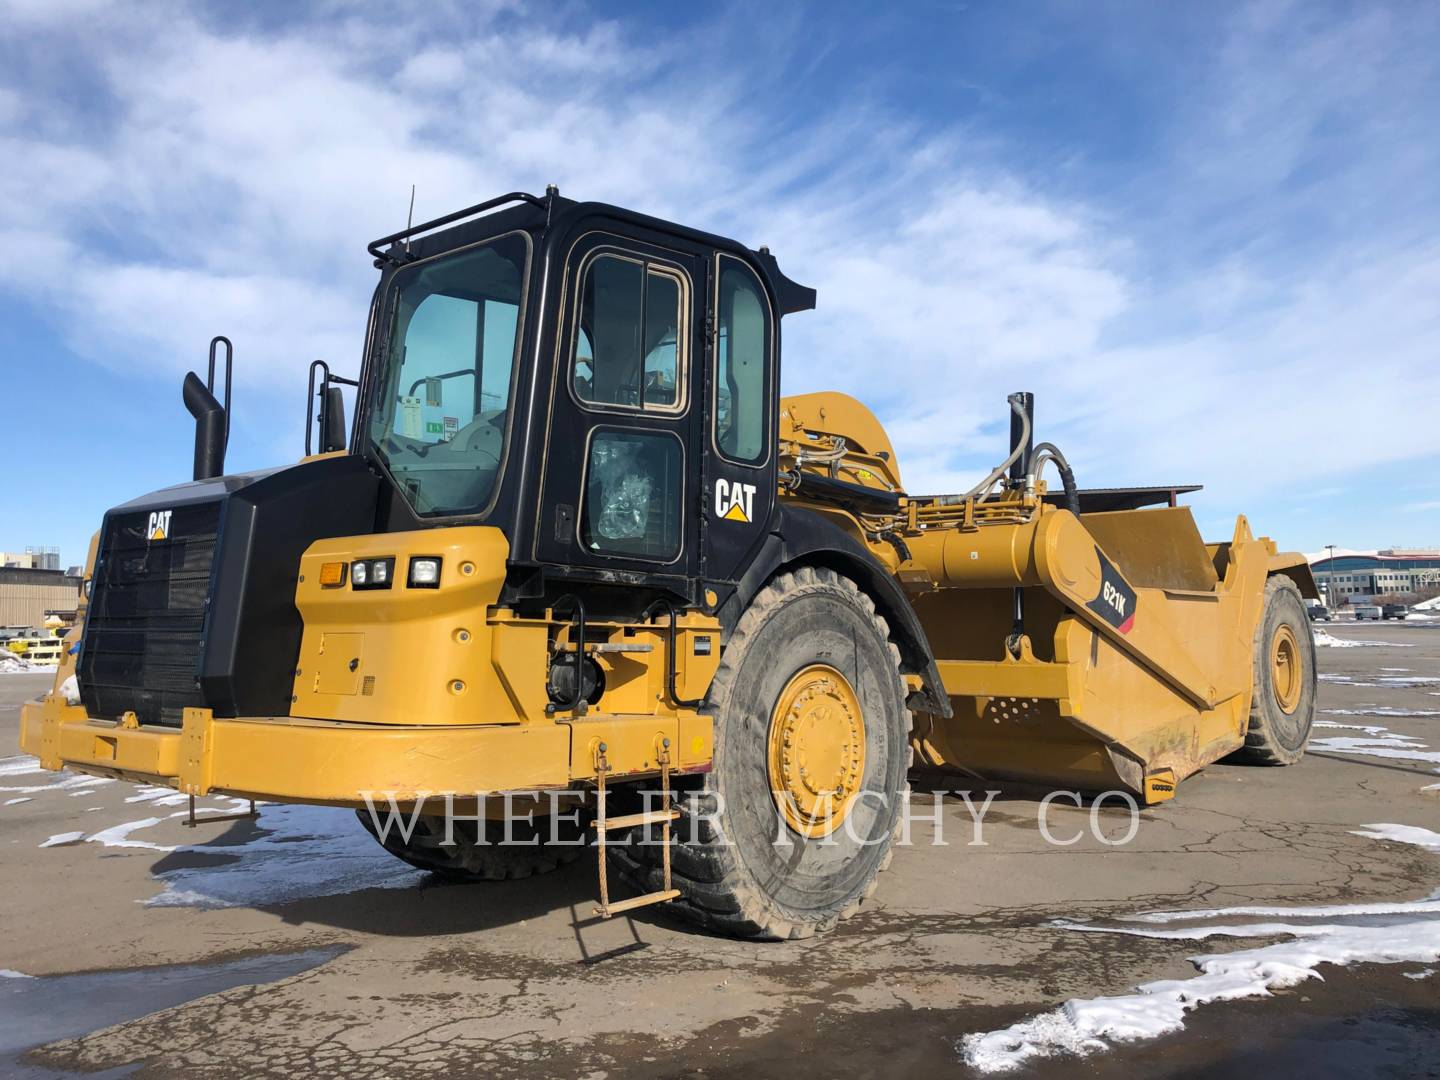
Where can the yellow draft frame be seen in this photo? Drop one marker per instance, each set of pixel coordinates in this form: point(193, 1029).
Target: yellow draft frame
point(335, 763)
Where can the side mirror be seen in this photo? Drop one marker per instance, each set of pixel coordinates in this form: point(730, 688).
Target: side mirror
point(332, 421)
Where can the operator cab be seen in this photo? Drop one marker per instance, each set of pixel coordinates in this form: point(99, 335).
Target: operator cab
point(600, 385)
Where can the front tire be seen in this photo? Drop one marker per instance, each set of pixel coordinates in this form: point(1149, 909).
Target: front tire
point(1282, 707)
point(808, 701)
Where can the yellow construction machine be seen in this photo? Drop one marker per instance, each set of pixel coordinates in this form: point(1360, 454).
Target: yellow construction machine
point(580, 550)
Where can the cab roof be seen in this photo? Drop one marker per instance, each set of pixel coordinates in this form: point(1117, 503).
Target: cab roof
point(550, 213)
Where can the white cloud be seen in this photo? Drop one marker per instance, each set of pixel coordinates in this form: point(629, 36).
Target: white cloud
point(234, 174)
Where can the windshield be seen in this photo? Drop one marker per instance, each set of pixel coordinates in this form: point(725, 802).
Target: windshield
point(439, 416)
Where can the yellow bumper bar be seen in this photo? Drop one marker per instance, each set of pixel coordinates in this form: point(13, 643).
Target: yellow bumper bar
point(336, 763)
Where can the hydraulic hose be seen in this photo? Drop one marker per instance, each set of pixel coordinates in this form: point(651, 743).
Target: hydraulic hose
point(1050, 452)
point(999, 471)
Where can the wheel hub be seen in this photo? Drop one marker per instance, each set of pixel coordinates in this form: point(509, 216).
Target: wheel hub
point(1286, 677)
point(816, 750)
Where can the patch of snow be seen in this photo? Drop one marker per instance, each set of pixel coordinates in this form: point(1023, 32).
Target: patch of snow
point(300, 852)
point(297, 852)
point(8, 973)
point(26, 765)
point(1388, 682)
point(1381, 710)
point(1402, 834)
point(119, 835)
point(70, 691)
point(63, 838)
point(158, 796)
point(1378, 742)
point(1335, 934)
point(1323, 637)
point(19, 765)
point(1419, 974)
point(23, 798)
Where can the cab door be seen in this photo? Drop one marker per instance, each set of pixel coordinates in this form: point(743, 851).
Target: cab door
point(620, 481)
point(743, 397)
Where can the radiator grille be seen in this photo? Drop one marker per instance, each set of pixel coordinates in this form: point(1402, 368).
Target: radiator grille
point(147, 614)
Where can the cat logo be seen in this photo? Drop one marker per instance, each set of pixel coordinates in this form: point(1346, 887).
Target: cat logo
point(734, 501)
point(159, 526)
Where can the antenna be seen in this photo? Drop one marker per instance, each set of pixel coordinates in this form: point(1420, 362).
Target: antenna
point(410, 218)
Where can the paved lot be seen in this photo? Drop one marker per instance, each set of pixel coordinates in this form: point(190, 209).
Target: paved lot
point(327, 956)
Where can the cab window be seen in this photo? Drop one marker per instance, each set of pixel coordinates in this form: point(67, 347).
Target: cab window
point(441, 405)
point(629, 346)
point(633, 495)
point(742, 364)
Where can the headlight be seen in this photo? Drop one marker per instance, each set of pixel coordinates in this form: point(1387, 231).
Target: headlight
point(424, 573)
point(372, 573)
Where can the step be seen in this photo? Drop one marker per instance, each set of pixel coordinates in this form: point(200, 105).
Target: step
point(662, 897)
point(649, 817)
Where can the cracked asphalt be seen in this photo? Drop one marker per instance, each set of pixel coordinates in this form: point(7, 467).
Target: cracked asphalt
point(516, 979)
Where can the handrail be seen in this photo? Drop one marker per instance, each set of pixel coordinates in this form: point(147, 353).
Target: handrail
point(479, 208)
point(444, 375)
point(210, 379)
point(670, 665)
point(311, 395)
point(577, 623)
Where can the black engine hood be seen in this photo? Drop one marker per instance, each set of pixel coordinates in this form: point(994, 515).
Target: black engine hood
point(193, 597)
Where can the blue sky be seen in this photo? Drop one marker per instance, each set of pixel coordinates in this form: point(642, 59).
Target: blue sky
point(1206, 235)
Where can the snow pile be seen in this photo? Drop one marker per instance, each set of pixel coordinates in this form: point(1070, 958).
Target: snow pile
point(10, 664)
point(1337, 934)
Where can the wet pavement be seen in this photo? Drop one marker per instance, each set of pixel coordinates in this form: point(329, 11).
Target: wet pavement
point(400, 974)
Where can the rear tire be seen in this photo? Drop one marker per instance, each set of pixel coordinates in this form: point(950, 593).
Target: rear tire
point(810, 661)
point(529, 852)
point(1282, 708)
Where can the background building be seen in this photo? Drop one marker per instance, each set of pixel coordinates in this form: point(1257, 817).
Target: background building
point(33, 558)
point(27, 595)
point(1368, 574)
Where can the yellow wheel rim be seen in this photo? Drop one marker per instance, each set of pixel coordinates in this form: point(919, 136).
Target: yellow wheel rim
point(816, 750)
point(1286, 677)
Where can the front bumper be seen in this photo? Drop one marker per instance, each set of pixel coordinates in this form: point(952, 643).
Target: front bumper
point(337, 763)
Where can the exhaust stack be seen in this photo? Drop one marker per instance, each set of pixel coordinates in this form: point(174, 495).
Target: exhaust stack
point(212, 420)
